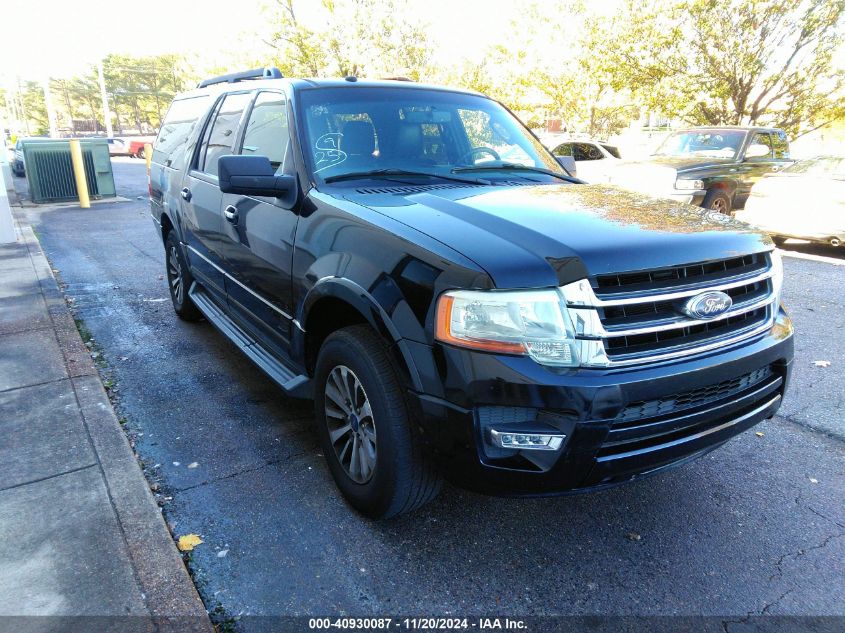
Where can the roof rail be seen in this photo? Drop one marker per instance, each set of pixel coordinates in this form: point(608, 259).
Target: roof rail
point(270, 72)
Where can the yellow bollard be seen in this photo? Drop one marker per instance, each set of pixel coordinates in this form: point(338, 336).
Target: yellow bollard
point(79, 173)
point(148, 154)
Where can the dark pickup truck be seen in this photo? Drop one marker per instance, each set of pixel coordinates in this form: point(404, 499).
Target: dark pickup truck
point(710, 167)
point(415, 261)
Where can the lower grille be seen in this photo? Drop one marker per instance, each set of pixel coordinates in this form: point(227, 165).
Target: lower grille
point(677, 402)
point(675, 417)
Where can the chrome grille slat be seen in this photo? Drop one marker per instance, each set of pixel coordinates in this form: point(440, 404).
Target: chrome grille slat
point(621, 328)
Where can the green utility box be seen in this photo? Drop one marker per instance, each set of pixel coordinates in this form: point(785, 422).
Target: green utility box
point(49, 171)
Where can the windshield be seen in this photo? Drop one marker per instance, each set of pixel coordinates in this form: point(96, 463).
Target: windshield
point(356, 130)
point(824, 166)
point(710, 143)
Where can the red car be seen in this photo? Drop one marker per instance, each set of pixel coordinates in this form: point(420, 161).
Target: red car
point(137, 148)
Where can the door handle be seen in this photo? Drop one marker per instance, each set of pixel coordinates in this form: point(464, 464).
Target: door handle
point(186, 194)
point(231, 213)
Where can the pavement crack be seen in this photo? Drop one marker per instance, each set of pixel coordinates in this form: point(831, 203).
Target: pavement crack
point(838, 437)
point(240, 472)
point(769, 605)
point(801, 552)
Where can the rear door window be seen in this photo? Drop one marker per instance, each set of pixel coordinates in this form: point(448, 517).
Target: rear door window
point(564, 149)
point(219, 138)
point(181, 119)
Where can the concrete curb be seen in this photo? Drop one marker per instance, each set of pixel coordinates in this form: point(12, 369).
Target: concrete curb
point(170, 595)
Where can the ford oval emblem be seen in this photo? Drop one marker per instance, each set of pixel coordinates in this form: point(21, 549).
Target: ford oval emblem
point(708, 305)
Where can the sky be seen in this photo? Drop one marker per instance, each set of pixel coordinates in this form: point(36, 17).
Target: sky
point(63, 38)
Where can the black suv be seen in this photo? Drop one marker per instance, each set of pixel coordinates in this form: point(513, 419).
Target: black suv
point(711, 167)
point(415, 261)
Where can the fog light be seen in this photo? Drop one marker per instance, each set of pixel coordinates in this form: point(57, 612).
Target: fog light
point(527, 441)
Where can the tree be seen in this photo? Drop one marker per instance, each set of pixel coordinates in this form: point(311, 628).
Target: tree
point(736, 62)
point(367, 38)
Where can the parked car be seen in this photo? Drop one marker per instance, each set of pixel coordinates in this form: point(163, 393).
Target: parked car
point(712, 167)
point(118, 147)
point(805, 200)
point(18, 165)
point(452, 313)
point(594, 160)
point(137, 148)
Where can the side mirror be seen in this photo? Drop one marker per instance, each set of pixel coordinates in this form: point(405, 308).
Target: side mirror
point(568, 164)
point(252, 176)
point(757, 150)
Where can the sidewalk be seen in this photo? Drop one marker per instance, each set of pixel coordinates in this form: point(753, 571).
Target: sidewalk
point(80, 533)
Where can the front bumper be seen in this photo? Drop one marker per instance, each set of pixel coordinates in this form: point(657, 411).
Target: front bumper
point(620, 424)
point(695, 197)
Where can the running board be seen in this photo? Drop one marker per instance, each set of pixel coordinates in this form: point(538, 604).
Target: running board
point(296, 385)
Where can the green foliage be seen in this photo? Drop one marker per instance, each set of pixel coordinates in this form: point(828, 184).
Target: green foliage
point(736, 61)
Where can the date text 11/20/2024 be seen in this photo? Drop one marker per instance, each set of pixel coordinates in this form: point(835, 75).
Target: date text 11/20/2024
point(418, 624)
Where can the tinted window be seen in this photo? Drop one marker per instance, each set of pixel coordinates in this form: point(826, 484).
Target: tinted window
point(613, 151)
point(219, 138)
point(710, 143)
point(780, 144)
point(564, 149)
point(586, 151)
point(267, 129)
point(762, 138)
point(349, 130)
point(182, 117)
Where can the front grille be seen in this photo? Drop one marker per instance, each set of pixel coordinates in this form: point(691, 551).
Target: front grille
point(635, 412)
point(640, 317)
point(703, 272)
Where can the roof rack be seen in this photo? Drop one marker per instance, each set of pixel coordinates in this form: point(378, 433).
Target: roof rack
point(270, 72)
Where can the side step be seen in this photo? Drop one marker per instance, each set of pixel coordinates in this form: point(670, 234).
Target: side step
point(296, 385)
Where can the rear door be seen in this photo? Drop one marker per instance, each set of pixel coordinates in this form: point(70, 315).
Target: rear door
point(258, 232)
point(201, 197)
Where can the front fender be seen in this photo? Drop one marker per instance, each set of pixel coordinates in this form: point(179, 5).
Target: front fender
point(373, 311)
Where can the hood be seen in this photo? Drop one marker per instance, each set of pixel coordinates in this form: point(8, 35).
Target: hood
point(548, 235)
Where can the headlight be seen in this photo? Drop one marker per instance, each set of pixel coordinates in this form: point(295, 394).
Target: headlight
point(683, 183)
point(532, 322)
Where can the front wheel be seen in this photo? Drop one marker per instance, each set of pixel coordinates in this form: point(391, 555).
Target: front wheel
point(717, 200)
point(365, 428)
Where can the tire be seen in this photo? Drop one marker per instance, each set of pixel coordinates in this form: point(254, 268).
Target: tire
point(400, 478)
point(179, 280)
point(717, 200)
point(140, 153)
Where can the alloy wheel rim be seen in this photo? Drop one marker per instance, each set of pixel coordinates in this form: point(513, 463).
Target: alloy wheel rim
point(175, 270)
point(350, 423)
point(719, 205)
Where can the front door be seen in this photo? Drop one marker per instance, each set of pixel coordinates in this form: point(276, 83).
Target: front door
point(258, 233)
point(201, 197)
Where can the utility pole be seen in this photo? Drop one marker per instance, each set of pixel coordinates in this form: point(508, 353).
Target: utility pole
point(105, 97)
point(51, 111)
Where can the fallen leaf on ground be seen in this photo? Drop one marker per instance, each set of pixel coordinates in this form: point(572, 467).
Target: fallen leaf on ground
point(188, 542)
point(222, 553)
point(193, 465)
point(759, 434)
point(821, 363)
point(633, 536)
point(813, 481)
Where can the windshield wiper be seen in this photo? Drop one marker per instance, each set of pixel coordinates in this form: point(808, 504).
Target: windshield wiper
point(387, 173)
point(517, 167)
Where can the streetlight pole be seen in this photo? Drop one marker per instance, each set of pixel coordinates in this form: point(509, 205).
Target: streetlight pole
point(105, 98)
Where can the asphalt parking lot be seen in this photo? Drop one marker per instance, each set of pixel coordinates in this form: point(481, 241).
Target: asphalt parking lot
point(757, 527)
